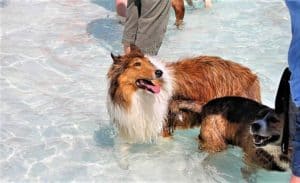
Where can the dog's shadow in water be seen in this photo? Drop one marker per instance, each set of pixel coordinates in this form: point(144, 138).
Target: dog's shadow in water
point(108, 32)
point(104, 136)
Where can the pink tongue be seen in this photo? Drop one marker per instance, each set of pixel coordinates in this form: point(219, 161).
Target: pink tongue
point(154, 89)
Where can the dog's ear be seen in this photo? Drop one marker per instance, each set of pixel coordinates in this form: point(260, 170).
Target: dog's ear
point(116, 59)
point(136, 50)
point(282, 107)
point(283, 92)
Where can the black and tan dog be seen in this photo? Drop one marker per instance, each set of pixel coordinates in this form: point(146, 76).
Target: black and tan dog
point(258, 129)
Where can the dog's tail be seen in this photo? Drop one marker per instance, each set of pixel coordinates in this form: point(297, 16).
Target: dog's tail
point(193, 110)
point(282, 107)
point(184, 114)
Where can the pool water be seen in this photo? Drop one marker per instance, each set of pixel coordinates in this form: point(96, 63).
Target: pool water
point(54, 58)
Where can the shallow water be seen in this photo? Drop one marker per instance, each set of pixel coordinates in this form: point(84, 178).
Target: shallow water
point(54, 58)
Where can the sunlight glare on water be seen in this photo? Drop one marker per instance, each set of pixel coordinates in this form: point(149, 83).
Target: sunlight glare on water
point(54, 59)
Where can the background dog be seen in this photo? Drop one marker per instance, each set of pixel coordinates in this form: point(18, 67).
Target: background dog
point(256, 128)
point(178, 6)
point(141, 89)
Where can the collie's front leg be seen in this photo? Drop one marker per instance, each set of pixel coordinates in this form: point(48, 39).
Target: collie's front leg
point(166, 131)
point(121, 152)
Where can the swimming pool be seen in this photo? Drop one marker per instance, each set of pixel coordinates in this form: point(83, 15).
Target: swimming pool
point(54, 58)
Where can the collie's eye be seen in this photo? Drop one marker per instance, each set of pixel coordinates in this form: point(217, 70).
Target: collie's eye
point(137, 64)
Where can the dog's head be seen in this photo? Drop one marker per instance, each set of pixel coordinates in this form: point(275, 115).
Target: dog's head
point(138, 95)
point(134, 71)
point(268, 129)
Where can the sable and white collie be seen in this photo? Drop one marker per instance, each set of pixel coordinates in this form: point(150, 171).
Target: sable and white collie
point(143, 91)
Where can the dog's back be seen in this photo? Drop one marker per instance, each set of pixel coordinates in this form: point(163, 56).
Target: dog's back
point(204, 78)
point(235, 109)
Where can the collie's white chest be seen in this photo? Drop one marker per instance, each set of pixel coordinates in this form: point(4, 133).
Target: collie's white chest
point(143, 121)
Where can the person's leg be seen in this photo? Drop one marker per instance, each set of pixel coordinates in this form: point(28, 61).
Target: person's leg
point(131, 26)
point(294, 66)
point(121, 6)
point(294, 117)
point(152, 25)
point(294, 50)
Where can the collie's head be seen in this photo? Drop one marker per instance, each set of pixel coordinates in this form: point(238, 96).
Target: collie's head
point(133, 72)
point(138, 94)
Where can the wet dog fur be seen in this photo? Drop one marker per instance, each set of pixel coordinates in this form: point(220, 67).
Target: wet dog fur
point(139, 99)
point(256, 128)
point(138, 96)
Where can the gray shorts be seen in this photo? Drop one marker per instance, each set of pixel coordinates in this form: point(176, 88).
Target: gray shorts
point(146, 27)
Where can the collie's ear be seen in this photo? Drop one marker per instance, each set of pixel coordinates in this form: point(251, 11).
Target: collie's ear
point(116, 59)
point(136, 50)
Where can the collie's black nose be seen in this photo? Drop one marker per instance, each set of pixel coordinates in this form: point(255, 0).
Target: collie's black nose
point(158, 73)
point(255, 127)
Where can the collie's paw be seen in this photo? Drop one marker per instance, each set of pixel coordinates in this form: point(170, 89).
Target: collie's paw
point(123, 164)
point(179, 24)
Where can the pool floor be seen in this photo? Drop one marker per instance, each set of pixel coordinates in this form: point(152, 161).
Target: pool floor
point(54, 58)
